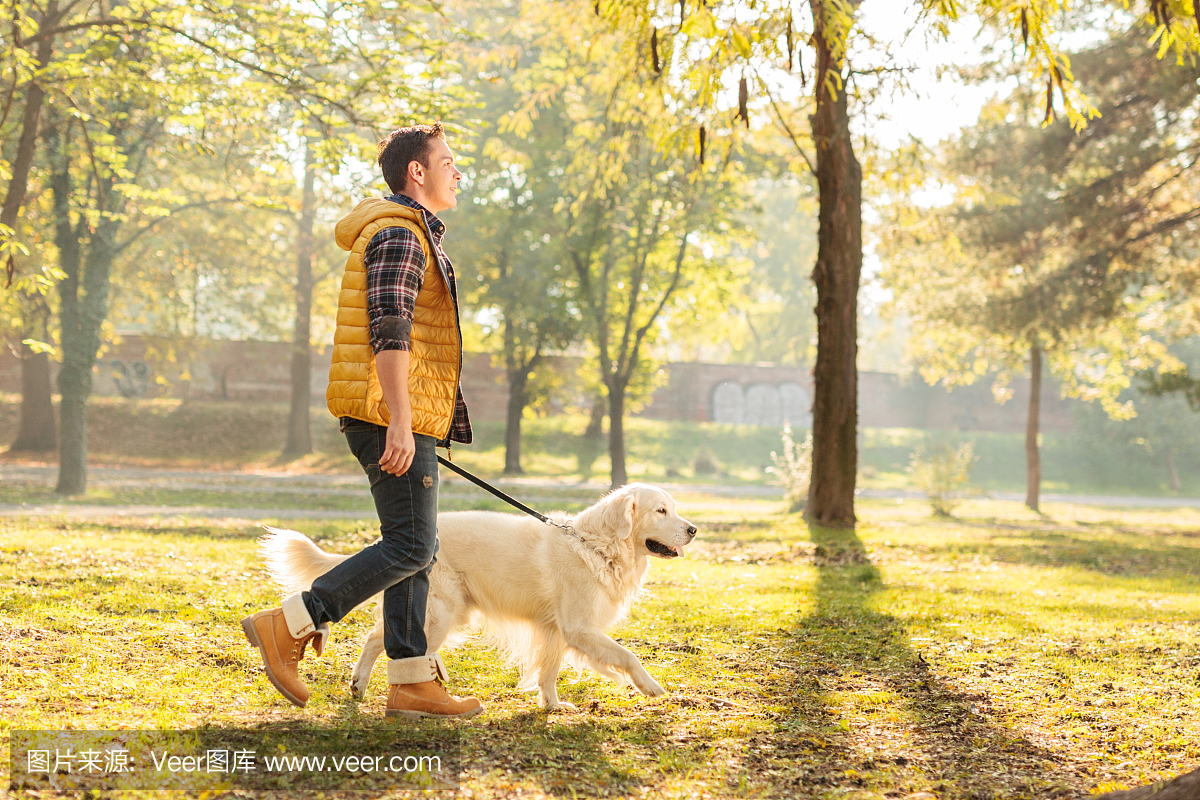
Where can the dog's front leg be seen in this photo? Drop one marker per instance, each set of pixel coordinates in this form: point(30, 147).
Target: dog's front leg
point(608, 656)
point(548, 698)
point(372, 647)
point(550, 648)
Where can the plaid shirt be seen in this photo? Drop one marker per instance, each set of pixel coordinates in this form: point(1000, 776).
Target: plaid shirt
point(395, 265)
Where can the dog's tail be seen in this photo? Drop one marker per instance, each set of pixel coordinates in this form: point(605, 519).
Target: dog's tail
point(293, 560)
point(519, 645)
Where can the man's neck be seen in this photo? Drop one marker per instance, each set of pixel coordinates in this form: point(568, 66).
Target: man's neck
point(419, 197)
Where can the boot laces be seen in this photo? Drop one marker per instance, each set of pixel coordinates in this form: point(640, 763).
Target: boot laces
point(298, 646)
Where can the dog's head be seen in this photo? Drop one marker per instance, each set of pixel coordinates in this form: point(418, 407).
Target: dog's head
point(644, 514)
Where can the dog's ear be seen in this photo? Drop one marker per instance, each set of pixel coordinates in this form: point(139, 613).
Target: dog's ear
point(619, 515)
point(614, 513)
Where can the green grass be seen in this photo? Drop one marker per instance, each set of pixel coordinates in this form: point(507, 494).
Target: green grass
point(1075, 463)
point(998, 654)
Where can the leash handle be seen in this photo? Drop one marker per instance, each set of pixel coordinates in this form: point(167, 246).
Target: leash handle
point(512, 501)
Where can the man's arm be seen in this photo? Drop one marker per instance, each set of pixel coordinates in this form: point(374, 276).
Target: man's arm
point(395, 265)
point(392, 368)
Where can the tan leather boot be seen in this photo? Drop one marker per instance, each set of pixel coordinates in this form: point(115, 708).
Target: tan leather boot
point(282, 652)
point(416, 689)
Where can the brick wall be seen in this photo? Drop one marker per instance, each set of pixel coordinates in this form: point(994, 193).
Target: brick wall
point(767, 394)
point(259, 372)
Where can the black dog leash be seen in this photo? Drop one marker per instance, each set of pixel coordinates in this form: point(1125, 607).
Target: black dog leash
point(512, 501)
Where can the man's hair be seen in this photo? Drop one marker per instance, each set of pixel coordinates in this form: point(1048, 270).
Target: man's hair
point(403, 146)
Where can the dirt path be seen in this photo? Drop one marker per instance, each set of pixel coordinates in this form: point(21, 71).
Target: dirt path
point(340, 483)
point(181, 512)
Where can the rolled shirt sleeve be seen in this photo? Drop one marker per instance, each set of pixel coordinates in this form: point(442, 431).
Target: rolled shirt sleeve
point(395, 265)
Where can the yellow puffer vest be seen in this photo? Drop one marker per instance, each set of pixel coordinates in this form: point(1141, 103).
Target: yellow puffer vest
point(436, 343)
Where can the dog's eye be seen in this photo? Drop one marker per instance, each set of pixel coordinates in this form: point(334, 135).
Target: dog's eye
point(662, 511)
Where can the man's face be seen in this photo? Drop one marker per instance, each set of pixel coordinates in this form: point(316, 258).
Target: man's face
point(437, 185)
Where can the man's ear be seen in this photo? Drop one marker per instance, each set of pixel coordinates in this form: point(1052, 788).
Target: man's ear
point(416, 172)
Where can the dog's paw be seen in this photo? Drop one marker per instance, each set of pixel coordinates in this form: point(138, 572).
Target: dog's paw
point(552, 703)
point(560, 706)
point(650, 687)
point(358, 687)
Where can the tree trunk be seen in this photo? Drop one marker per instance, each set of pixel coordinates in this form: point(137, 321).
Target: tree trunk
point(595, 426)
point(38, 431)
point(836, 275)
point(27, 144)
point(1033, 463)
point(75, 386)
point(1172, 472)
point(81, 342)
point(517, 381)
point(84, 305)
point(616, 434)
point(299, 439)
point(72, 475)
point(592, 440)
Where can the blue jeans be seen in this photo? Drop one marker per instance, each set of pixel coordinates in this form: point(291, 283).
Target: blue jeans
point(398, 565)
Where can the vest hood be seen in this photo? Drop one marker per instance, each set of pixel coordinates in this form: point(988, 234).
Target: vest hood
point(366, 212)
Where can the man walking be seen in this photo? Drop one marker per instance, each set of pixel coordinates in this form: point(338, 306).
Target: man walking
point(394, 385)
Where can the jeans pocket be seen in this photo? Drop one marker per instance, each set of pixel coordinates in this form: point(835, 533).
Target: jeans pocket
point(364, 444)
point(374, 474)
point(380, 442)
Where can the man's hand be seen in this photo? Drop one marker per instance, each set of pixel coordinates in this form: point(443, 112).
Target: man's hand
point(398, 454)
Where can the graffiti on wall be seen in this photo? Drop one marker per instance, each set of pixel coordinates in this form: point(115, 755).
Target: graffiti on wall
point(761, 404)
point(132, 379)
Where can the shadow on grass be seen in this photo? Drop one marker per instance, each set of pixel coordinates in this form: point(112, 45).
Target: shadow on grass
point(564, 755)
point(1105, 549)
point(1144, 559)
point(911, 732)
point(146, 527)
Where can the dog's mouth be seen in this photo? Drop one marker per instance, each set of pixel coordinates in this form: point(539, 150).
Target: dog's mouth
point(661, 550)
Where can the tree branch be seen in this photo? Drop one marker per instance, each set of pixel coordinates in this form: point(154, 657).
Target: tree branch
point(120, 248)
point(787, 129)
point(662, 303)
point(114, 22)
point(635, 277)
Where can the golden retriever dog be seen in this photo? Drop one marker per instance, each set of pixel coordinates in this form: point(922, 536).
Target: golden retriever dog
point(543, 594)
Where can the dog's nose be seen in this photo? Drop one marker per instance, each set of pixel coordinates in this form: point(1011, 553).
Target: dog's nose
point(691, 531)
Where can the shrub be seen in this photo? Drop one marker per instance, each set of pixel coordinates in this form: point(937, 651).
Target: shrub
point(793, 468)
point(943, 471)
point(704, 462)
